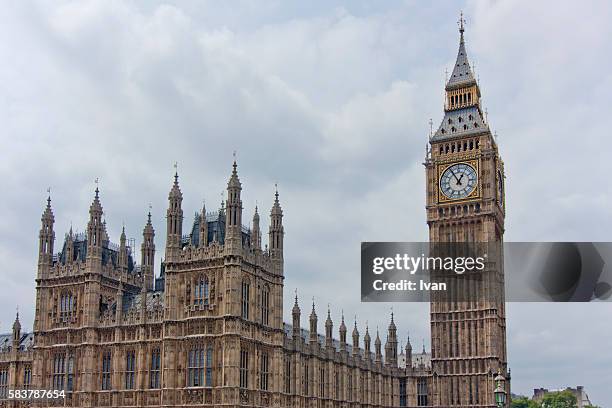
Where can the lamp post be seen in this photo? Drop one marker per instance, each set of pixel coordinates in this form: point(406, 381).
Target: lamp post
point(500, 391)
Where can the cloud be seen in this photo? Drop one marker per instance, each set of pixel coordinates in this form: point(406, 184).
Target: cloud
point(332, 102)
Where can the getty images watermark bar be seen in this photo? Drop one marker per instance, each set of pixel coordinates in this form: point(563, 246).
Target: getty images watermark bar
point(471, 272)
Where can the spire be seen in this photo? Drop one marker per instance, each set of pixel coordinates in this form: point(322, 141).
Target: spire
point(313, 324)
point(233, 219)
point(147, 253)
point(17, 329)
point(46, 237)
point(408, 353)
point(355, 338)
point(296, 318)
point(462, 74)
point(276, 233)
point(342, 333)
point(175, 191)
point(96, 229)
point(329, 327)
point(377, 344)
point(123, 253)
point(462, 107)
point(256, 232)
point(174, 219)
point(366, 341)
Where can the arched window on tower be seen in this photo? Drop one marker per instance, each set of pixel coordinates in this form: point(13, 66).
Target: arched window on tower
point(201, 291)
point(70, 374)
point(265, 305)
point(244, 299)
point(67, 304)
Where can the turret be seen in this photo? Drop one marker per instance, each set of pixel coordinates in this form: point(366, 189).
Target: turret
point(46, 239)
point(342, 334)
point(313, 325)
point(174, 219)
point(96, 232)
point(16, 331)
point(296, 319)
point(147, 253)
point(256, 232)
point(391, 346)
point(408, 354)
point(377, 347)
point(233, 220)
point(355, 339)
point(69, 247)
point(366, 342)
point(123, 252)
point(276, 234)
point(329, 327)
point(203, 227)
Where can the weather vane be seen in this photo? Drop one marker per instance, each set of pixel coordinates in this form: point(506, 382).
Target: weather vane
point(461, 21)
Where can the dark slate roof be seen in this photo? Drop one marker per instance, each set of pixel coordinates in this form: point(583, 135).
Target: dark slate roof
point(110, 252)
point(462, 72)
point(6, 341)
point(460, 122)
point(216, 230)
point(134, 301)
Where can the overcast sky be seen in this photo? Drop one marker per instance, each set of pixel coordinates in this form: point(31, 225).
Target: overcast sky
point(331, 100)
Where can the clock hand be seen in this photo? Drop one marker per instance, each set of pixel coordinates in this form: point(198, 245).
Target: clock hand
point(456, 178)
point(459, 179)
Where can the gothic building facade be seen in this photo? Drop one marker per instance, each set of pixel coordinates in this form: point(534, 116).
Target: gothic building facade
point(209, 330)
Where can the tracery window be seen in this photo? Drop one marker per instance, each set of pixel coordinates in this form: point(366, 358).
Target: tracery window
point(70, 374)
point(27, 377)
point(130, 369)
point(201, 291)
point(154, 372)
point(422, 392)
point(265, 304)
point(106, 370)
point(246, 287)
point(59, 371)
point(3, 383)
point(244, 368)
point(209, 365)
point(264, 371)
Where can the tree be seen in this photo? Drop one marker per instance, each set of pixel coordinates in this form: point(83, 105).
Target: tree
point(523, 402)
point(560, 399)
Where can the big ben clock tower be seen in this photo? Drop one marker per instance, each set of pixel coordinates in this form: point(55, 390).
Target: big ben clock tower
point(465, 203)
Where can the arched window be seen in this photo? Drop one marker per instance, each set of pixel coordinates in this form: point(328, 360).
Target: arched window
point(244, 299)
point(195, 367)
point(265, 304)
point(70, 374)
point(209, 364)
point(201, 291)
point(59, 371)
point(67, 303)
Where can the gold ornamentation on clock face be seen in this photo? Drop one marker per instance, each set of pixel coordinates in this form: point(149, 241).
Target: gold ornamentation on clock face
point(458, 181)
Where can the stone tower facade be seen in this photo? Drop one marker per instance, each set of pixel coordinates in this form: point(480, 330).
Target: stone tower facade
point(208, 331)
point(465, 203)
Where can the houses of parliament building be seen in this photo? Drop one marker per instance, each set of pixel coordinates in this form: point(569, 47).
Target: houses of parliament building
point(209, 331)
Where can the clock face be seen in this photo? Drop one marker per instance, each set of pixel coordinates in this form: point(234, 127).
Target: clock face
point(458, 181)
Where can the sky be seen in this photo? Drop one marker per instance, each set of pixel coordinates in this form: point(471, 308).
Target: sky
point(331, 100)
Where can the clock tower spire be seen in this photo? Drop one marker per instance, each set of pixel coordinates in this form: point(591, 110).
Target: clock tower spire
point(465, 203)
